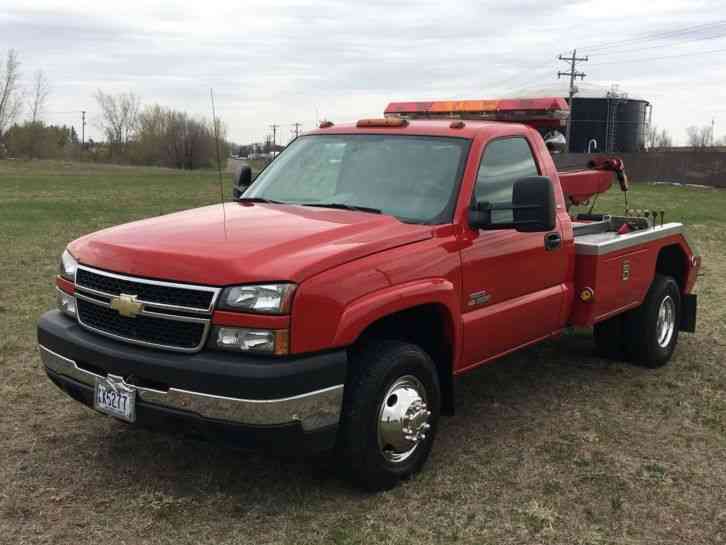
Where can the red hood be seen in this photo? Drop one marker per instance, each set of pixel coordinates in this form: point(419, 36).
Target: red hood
point(243, 243)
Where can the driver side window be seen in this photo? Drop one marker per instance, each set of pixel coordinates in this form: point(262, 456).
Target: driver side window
point(310, 174)
point(504, 162)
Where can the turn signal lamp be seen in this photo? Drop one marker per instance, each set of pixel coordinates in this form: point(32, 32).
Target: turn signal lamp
point(66, 303)
point(263, 341)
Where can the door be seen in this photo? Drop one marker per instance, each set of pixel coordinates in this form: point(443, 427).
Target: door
point(512, 282)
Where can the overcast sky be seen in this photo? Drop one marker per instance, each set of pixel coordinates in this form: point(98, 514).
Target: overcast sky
point(297, 61)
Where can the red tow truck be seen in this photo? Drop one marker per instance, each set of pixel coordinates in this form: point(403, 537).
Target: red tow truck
point(332, 304)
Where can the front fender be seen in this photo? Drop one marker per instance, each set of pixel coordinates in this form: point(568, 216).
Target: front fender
point(363, 312)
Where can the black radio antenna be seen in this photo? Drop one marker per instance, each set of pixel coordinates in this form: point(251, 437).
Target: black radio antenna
point(216, 145)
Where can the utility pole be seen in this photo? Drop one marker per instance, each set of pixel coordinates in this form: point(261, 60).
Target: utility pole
point(83, 134)
point(297, 129)
point(274, 135)
point(713, 131)
point(574, 74)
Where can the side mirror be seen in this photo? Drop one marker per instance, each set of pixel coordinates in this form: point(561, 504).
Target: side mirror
point(534, 204)
point(532, 208)
point(242, 181)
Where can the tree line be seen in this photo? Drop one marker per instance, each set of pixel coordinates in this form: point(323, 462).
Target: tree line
point(698, 138)
point(703, 137)
point(32, 138)
point(133, 134)
point(157, 135)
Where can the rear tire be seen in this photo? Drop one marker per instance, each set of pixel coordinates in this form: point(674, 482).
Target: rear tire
point(652, 328)
point(390, 413)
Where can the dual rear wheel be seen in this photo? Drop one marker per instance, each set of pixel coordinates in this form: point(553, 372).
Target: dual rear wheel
point(648, 334)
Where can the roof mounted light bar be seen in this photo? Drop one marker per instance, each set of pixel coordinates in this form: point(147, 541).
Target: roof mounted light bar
point(383, 122)
point(535, 111)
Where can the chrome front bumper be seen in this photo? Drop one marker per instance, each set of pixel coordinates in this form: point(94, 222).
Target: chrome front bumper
point(314, 410)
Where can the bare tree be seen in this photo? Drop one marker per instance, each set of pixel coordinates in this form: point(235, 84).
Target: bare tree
point(10, 92)
point(664, 140)
point(657, 138)
point(650, 136)
point(700, 137)
point(41, 90)
point(119, 117)
point(176, 139)
point(650, 133)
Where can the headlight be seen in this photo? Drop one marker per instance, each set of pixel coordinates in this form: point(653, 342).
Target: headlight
point(262, 298)
point(263, 341)
point(68, 266)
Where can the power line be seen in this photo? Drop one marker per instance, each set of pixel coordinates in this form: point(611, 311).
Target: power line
point(660, 46)
point(631, 44)
point(574, 74)
point(686, 32)
point(698, 53)
point(659, 35)
point(526, 73)
point(69, 112)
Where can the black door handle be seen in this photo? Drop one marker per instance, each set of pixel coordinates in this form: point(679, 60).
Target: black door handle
point(552, 241)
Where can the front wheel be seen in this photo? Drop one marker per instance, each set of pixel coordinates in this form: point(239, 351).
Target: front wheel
point(390, 413)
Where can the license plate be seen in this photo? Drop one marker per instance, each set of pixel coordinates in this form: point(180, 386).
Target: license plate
point(113, 397)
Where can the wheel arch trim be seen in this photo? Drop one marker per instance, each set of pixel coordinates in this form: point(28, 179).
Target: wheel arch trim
point(364, 312)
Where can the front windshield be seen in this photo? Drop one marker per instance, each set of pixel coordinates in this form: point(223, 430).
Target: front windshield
point(414, 178)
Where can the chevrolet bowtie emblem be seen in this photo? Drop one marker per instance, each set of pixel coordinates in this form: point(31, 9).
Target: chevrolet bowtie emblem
point(127, 305)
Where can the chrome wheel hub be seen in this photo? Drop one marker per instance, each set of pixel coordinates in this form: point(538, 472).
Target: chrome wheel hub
point(666, 322)
point(403, 419)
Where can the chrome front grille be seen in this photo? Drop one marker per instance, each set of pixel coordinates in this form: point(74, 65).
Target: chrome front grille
point(174, 316)
point(150, 291)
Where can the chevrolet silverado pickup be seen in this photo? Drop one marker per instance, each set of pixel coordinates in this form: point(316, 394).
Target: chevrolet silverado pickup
point(332, 304)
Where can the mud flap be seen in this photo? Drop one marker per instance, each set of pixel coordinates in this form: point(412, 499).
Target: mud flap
point(688, 312)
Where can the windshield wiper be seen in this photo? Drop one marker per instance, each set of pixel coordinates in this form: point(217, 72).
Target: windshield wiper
point(343, 206)
point(258, 199)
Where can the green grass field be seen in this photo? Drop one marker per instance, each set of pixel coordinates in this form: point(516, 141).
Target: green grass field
point(550, 445)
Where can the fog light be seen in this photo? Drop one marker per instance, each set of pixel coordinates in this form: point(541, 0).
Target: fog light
point(66, 303)
point(264, 341)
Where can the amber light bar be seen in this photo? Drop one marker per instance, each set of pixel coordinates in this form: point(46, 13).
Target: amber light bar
point(520, 110)
point(383, 122)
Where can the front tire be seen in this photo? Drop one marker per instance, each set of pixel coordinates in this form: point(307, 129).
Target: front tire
point(390, 413)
